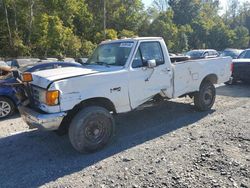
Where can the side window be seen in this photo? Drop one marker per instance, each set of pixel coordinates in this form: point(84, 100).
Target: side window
point(137, 62)
point(150, 51)
point(242, 54)
point(205, 54)
point(210, 53)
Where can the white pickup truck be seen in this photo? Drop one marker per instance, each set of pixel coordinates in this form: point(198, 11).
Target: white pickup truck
point(120, 76)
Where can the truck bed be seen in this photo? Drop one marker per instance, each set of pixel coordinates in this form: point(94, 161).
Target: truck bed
point(189, 74)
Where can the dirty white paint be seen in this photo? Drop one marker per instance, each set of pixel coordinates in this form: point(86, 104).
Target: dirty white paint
point(127, 87)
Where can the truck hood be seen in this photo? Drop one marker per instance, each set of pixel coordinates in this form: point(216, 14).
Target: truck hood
point(46, 77)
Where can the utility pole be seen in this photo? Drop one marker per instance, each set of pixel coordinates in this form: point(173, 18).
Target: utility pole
point(104, 18)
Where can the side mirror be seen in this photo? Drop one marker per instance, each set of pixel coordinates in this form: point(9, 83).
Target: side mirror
point(151, 63)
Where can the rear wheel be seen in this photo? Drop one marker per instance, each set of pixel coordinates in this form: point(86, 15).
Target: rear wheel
point(91, 129)
point(205, 98)
point(231, 82)
point(7, 107)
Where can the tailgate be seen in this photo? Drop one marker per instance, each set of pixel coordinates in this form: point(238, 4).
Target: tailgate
point(241, 70)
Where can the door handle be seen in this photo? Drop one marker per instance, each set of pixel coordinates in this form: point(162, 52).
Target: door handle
point(166, 70)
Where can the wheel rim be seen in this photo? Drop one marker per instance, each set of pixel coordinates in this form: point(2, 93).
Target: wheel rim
point(208, 96)
point(95, 131)
point(5, 109)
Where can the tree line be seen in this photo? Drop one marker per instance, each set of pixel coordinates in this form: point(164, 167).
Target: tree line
point(74, 27)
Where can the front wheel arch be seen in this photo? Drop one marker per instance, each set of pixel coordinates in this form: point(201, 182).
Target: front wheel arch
point(97, 101)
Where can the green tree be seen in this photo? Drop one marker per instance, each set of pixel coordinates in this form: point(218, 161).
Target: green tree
point(126, 33)
point(185, 11)
point(182, 41)
point(163, 26)
point(87, 48)
point(220, 37)
point(241, 39)
point(109, 34)
point(54, 39)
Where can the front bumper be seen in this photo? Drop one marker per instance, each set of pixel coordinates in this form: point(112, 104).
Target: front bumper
point(41, 121)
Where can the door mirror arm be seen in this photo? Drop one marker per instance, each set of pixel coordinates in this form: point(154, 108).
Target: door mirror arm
point(151, 64)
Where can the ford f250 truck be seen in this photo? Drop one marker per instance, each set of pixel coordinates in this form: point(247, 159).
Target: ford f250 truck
point(120, 76)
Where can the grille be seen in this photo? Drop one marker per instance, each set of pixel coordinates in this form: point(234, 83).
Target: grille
point(37, 93)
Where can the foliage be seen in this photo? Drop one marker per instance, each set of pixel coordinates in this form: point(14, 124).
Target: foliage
point(126, 33)
point(75, 27)
point(109, 34)
point(87, 48)
point(241, 37)
point(164, 27)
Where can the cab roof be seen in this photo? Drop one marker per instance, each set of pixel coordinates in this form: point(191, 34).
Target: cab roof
point(131, 39)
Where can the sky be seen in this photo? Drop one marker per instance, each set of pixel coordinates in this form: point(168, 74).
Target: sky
point(223, 3)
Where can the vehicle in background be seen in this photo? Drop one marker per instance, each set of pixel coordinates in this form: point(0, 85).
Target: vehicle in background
point(179, 58)
point(52, 59)
point(201, 54)
point(120, 76)
point(18, 63)
point(241, 67)
point(4, 68)
point(69, 59)
point(8, 99)
point(233, 53)
point(48, 60)
point(172, 54)
point(82, 60)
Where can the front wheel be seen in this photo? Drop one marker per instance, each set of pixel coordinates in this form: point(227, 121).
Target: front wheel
point(205, 98)
point(91, 129)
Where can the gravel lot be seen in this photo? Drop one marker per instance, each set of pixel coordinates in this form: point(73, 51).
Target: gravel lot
point(170, 145)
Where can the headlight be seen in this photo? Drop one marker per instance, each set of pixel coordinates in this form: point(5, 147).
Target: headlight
point(50, 98)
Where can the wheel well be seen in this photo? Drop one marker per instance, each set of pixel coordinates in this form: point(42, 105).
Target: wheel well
point(98, 101)
point(212, 78)
point(9, 99)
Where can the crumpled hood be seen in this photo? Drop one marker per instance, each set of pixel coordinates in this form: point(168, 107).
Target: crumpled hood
point(46, 77)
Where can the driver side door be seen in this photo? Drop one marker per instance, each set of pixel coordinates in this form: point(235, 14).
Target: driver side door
point(145, 82)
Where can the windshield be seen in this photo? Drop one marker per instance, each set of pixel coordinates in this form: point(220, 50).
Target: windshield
point(114, 54)
point(245, 54)
point(232, 54)
point(3, 64)
point(195, 53)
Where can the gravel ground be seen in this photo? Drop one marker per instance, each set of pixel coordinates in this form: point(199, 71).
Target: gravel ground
point(170, 145)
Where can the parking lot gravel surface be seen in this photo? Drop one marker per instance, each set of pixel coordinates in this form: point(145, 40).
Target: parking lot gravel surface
point(169, 145)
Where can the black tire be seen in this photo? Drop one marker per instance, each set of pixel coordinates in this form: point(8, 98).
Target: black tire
point(205, 98)
point(7, 107)
point(91, 129)
point(232, 82)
